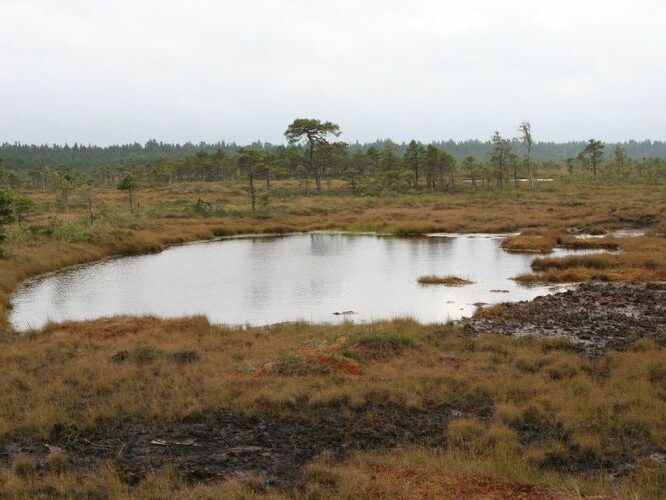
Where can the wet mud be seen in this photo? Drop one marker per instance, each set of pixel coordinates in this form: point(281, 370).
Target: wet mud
point(226, 445)
point(595, 317)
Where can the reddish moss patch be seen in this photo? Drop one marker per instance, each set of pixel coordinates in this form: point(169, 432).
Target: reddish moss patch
point(296, 366)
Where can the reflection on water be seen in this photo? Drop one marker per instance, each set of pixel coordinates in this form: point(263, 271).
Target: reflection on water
point(268, 280)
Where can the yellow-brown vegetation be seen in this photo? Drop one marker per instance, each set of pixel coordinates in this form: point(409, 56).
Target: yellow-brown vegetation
point(527, 412)
point(540, 403)
point(433, 279)
point(639, 259)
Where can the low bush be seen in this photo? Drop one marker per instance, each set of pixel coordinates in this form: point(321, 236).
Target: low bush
point(141, 354)
point(68, 231)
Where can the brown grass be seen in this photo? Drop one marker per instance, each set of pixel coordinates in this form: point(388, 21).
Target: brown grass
point(530, 243)
point(640, 259)
point(544, 241)
point(504, 388)
point(82, 373)
point(433, 279)
point(406, 474)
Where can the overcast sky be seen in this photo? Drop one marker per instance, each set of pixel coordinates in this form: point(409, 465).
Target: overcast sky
point(120, 71)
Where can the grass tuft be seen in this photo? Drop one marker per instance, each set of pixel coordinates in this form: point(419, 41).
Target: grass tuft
point(24, 467)
point(379, 345)
point(56, 461)
point(433, 279)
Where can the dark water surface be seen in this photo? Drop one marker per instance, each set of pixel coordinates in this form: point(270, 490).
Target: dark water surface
point(263, 280)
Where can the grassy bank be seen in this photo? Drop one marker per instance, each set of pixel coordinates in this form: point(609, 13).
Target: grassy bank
point(639, 259)
point(52, 238)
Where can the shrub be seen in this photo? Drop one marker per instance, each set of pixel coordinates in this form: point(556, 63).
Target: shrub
point(264, 201)
point(67, 231)
point(141, 354)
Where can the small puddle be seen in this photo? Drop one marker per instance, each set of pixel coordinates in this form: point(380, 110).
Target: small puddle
point(620, 233)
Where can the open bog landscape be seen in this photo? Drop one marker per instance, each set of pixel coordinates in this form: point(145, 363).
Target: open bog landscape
point(222, 368)
point(351, 250)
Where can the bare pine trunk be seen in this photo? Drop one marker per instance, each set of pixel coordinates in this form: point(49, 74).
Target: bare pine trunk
point(515, 175)
point(89, 206)
point(315, 170)
point(253, 194)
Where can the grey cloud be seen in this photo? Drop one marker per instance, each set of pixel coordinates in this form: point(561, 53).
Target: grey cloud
point(109, 72)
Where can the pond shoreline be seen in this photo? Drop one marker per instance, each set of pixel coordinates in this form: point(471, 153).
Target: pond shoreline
point(243, 236)
point(93, 290)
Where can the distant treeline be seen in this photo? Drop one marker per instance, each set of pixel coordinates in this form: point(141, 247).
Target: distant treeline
point(19, 156)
